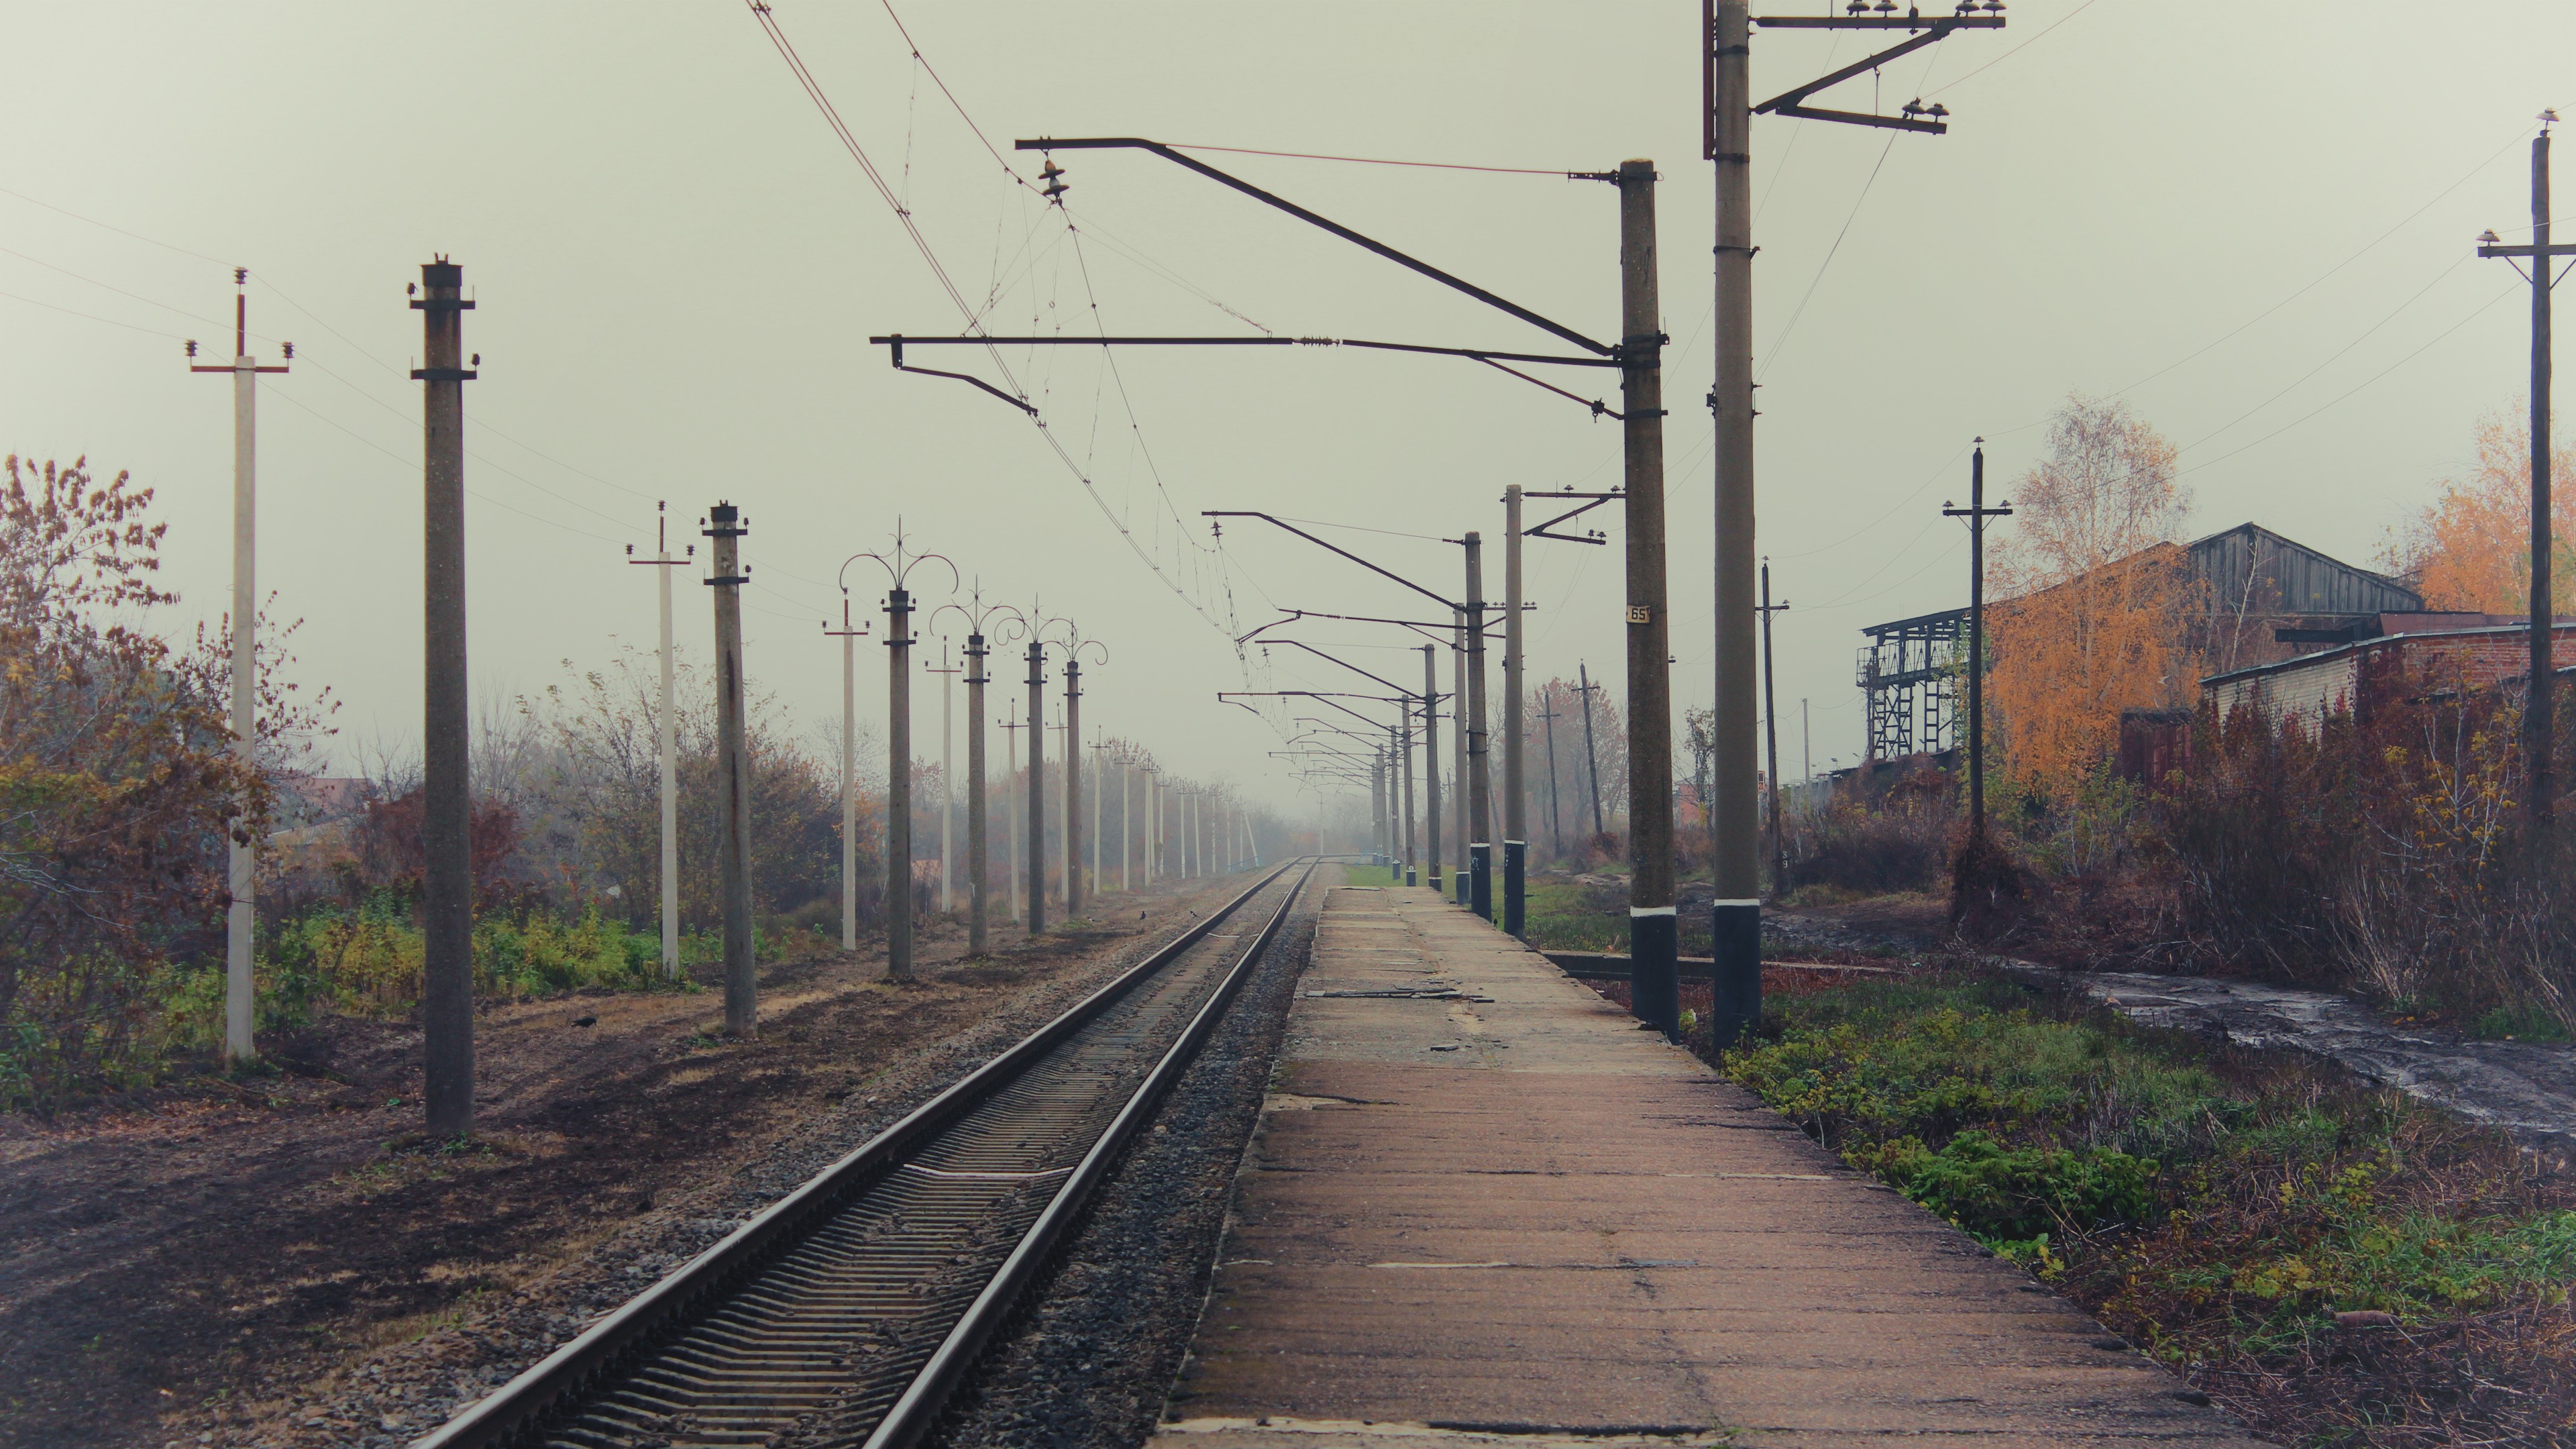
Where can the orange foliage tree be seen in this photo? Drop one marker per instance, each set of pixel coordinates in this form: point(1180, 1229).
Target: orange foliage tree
point(2471, 547)
point(2097, 593)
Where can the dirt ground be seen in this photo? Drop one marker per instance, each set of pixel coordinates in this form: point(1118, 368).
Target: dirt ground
point(260, 1262)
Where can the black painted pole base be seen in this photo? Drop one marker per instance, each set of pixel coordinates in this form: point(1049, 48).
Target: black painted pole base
point(1735, 929)
point(1654, 974)
point(1516, 887)
point(1412, 877)
point(1480, 878)
point(1458, 885)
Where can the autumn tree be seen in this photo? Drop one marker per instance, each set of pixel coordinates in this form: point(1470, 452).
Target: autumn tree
point(1572, 804)
point(2097, 589)
point(117, 783)
point(2470, 549)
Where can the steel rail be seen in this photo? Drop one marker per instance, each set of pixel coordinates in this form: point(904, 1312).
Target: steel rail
point(510, 1414)
point(914, 1413)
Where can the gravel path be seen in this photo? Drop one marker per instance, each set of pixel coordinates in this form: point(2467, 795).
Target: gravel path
point(410, 1387)
point(1087, 1363)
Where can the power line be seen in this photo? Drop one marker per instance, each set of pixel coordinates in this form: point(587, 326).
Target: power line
point(2016, 50)
point(1376, 160)
point(92, 317)
point(1772, 355)
point(120, 231)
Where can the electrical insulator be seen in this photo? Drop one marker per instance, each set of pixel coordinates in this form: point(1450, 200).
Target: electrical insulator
point(1055, 187)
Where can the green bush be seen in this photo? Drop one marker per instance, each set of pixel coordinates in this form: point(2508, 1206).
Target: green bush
point(2015, 1196)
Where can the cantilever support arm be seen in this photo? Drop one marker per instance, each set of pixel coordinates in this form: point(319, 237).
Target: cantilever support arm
point(1789, 102)
point(1346, 664)
point(1023, 404)
point(1138, 143)
point(1319, 543)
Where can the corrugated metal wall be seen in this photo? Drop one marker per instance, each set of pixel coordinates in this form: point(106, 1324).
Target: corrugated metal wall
point(2259, 572)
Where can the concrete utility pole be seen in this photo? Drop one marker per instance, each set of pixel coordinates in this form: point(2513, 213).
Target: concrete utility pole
point(898, 828)
point(446, 821)
point(1010, 803)
point(1099, 783)
point(1075, 867)
point(1126, 827)
point(1073, 862)
point(1515, 728)
point(1431, 763)
point(1381, 837)
point(1771, 733)
point(947, 791)
point(849, 635)
point(668, 730)
point(1404, 771)
point(1654, 940)
point(1555, 816)
point(1591, 752)
point(1037, 786)
point(1152, 845)
point(1726, 115)
point(733, 774)
point(1480, 779)
point(2538, 719)
point(242, 860)
point(1977, 513)
point(1458, 769)
point(976, 843)
point(1066, 850)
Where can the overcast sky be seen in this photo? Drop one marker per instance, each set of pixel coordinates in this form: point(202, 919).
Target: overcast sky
point(2252, 222)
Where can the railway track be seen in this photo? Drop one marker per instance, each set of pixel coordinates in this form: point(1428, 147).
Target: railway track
point(844, 1313)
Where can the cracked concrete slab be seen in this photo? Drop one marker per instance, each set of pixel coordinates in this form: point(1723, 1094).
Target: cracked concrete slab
point(1483, 1207)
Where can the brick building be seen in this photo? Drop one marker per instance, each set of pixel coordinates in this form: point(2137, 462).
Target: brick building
point(2394, 657)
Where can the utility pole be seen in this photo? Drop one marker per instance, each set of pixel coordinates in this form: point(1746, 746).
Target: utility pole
point(947, 790)
point(1100, 782)
point(1771, 730)
point(668, 731)
point(242, 860)
point(446, 841)
point(976, 824)
point(1515, 792)
point(849, 635)
point(1377, 805)
point(1075, 878)
point(898, 827)
point(733, 773)
point(1555, 815)
point(1591, 752)
point(1806, 746)
point(1726, 136)
point(1404, 768)
point(1037, 786)
point(1010, 803)
point(1152, 844)
point(1066, 850)
point(1126, 827)
point(1073, 863)
point(1480, 783)
point(1654, 941)
point(2538, 719)
point(1977, 513)
point(898, 831)
point(1463, 791)
point(1431, 763)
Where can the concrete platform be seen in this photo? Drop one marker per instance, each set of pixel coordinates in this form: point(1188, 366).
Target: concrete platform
point(1484, 1207)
